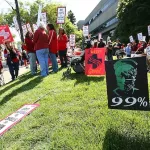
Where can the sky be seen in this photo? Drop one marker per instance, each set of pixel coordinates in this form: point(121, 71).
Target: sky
point(80, 8)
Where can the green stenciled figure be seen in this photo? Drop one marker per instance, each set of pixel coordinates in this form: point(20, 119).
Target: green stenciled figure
point(126, 72)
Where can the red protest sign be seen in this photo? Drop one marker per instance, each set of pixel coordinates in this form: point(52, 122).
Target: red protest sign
point(5, 34)
point(95, 61)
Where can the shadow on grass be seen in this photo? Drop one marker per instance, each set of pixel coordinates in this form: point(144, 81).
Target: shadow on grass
point(115, 141)
point(20, 79)
point(81, 78)
point(30, 85)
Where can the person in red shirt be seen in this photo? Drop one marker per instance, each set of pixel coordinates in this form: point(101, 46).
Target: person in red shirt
point(53, 46)
point(41, 46)
point(62, 47)
point(31, 52)
point(12, 58)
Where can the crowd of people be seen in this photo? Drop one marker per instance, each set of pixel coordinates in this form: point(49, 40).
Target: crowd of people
point(38, 48)
point(45, 44)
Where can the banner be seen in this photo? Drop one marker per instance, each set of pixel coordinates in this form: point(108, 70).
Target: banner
point(61, 13)
point(131, 39)
point(35, 27)
point(99, 36)
point(72, 40)
point(127, 84)
point(85, 31)
point(16, 23)
point(43, 18)
point(149, 30)
point(140, 36)
point(95, 61)
point(24, 28)
point(14, 118)
point(5, 34)
point(29, 27)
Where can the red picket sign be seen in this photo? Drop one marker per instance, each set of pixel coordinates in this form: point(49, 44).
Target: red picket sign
point(95, 61)
point(5, 34)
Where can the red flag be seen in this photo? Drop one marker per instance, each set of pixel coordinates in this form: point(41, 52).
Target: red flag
point(5, 34)
point(95, 61)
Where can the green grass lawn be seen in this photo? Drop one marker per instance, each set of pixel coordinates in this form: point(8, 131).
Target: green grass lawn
point(74, 116)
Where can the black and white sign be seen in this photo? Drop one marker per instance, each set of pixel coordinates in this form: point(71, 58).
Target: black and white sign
point(149, 30)
point(44, 18)
point(72, 40)
point(61, 13)
point(127, 84)
point(131, 39)
point(85, 30)
point(140, 36)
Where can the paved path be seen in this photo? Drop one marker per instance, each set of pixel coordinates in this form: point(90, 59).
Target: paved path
point(7, 76)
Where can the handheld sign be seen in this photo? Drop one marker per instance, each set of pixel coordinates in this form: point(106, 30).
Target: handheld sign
point(85, 31)
point(127, 84)
point(35, 27)
point(5, 34)
point(95, 61)
point(16, 23)
point(72, 40)
point(131, 38)
point(149, 30)
point(24, 28)
point(43, 17)
point(99, 36)
point(61, 13)
point(140, 36)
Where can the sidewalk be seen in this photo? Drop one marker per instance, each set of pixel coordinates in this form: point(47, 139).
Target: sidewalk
point(7, 76)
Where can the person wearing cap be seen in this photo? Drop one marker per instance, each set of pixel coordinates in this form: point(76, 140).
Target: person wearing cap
point(101, 44)
point(12, 60)
point(41, 47)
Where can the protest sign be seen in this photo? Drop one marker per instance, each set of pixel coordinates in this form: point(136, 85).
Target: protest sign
point(61, 13)
point(127, 84)
point(72, 40)
point(149, 30)
point(16, 23)
point(14, 118)
point(39, 14)
point(95, 61)
point(35, 27)
point(131, 39)
point(140, 36)
point(5, 34)
point(85, 31)
point(24, 28)
point(99, 36)
point(43, 18)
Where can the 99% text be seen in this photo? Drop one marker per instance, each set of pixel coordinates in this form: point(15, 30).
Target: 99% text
point(130, 101)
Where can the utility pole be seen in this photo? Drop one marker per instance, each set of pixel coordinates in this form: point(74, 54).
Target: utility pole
point(19, 20)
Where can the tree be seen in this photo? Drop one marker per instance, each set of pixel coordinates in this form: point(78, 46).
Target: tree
point(51, 11)
point(71, 17)
point(133, 18)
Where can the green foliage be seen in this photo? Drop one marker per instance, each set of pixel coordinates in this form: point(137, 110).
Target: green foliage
point(50, 9)
point(134, 17)
point(71, 17)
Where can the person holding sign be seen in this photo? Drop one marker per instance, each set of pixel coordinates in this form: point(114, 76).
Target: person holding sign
point(53, 46)
point(42, 48)
point(62, 47)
